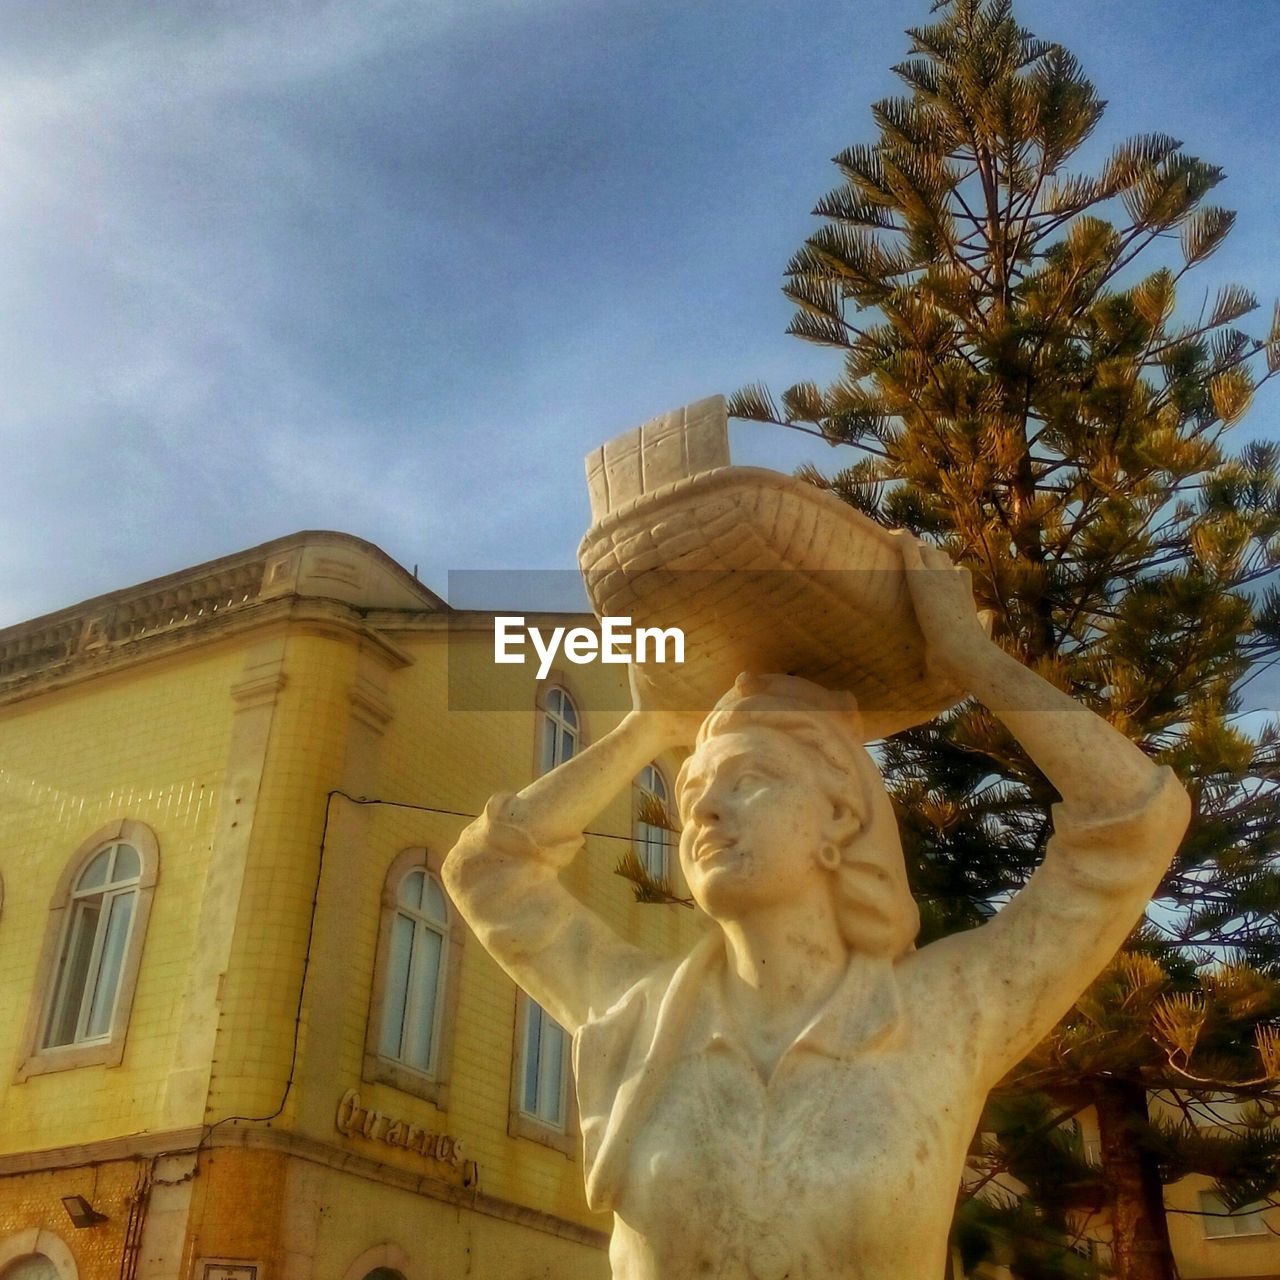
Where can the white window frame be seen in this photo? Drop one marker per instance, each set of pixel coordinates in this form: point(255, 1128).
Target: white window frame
point(431, 1083)
point(76, 997)
point(653, 844)
point(424, 925)
point(523, 1123)
point(559, 726)
point(537, 1021)
point(50, 991)
point(1245, 1221)
point(39, 1242)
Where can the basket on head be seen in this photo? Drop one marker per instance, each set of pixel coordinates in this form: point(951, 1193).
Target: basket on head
point(761, 571)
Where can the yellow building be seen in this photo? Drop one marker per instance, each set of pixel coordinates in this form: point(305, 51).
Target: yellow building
point(248, 1036)
point(1208, 1243)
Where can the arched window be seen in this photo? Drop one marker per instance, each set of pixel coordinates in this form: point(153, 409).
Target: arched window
point(36, 1253)
point(415, 973)
point(415, 988)
point(103, 904)
point(652, 841)
point(93, 950)
point(385, 1261)
point(560, 730)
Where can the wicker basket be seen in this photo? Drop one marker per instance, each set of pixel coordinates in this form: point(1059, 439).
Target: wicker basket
point(765, 573)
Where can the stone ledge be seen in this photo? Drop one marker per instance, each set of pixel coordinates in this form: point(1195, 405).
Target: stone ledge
point(314, 565)
point(188, 1140)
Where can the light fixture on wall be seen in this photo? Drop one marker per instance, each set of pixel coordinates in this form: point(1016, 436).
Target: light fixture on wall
point(81, 1212)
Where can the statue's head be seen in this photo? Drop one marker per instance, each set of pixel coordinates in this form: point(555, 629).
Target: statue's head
point(780, 789)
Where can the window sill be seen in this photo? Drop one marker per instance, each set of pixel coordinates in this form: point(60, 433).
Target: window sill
point(378, 1070)
point(67, 1057)
point(520, 1125)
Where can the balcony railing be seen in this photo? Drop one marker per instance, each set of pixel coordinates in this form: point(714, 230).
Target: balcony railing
point(110, 621)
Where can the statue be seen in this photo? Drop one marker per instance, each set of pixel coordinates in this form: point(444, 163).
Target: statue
point(795, 1097)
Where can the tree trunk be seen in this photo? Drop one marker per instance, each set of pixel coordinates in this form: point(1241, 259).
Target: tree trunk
point(1135, 1196)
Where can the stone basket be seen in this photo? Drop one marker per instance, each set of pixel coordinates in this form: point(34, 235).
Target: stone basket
point(763, 573)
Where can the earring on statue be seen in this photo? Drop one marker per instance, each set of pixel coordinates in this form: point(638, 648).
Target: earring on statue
point(829, 856)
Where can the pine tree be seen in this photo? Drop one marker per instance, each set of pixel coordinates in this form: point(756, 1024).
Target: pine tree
point(1025, 386)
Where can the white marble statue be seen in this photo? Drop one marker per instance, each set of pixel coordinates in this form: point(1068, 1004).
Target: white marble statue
point(794, 1098)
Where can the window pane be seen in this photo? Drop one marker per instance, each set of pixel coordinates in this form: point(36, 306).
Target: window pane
point(109, 963)
point(94, 876)
point(74, 970)
point(568, 711)
point(1245, 1221)
point(548, 744)
point(410, 894)
point(532, 1039)
point(399, 956)
point(568, 744)
point(422, 998)
point(551, 1071)
point(1249, 1220)
point(652, 849)
point(433, 904)
point(651, 841)
point(128, 865)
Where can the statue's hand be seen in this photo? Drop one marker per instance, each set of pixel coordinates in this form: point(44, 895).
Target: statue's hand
point(942, 593)
point(670, 727)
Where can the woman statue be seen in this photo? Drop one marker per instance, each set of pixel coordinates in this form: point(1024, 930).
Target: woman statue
point(795, 1097)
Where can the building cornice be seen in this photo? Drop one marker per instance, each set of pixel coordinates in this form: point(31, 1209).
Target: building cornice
point(317, 578)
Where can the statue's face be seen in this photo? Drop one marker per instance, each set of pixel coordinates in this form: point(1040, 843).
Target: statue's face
point(754, 819)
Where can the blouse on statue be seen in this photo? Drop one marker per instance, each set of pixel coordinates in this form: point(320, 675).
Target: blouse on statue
point(846, 1161)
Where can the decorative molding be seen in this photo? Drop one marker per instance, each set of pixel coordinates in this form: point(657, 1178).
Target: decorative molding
point(261, 682)
point(42, 1243)
point(336, 569)
point(201, 599)
point(94, 632)
point(108, 1051)
point(281, 574)
point(369, 703)
point(463, 621)
point(387, 1254)
point(423, 1184)
point(104, 1150)
point(256, 691)
point(286, 615)
point(340, 1159)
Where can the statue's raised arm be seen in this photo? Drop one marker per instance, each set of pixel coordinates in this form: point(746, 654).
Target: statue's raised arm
point(1117, 828)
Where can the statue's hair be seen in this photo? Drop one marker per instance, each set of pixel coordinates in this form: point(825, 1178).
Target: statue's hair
point(874, 907)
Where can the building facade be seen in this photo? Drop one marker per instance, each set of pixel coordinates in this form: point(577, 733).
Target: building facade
point(248, 1035)
point(1208, 1242)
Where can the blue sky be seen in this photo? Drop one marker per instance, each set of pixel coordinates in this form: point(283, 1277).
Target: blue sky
point(394, 268)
